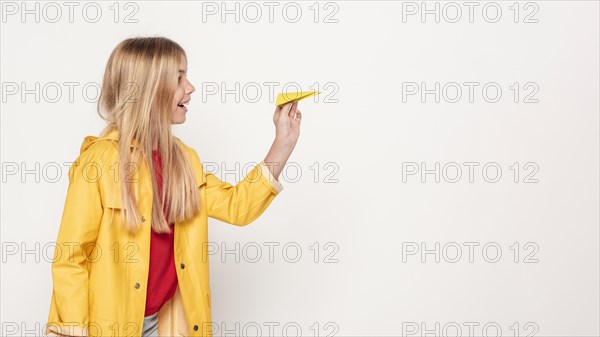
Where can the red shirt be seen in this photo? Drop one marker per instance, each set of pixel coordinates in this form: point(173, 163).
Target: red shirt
point(162, 277)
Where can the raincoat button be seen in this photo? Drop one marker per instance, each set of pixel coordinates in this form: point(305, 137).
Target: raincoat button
point(137, 285)
point(182, 265)
point(143, 218)
point(195, 328)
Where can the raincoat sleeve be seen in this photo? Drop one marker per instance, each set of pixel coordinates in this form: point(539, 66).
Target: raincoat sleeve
point(247, 200)
point(82, 213)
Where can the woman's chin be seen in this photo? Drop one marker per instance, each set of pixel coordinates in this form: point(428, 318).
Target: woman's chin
point(178, 118)
point(179, 121)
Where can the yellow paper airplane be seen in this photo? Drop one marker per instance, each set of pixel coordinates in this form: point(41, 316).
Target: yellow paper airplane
point(294, 96)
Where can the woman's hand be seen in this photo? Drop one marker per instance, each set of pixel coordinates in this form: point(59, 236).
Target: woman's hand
point(287, 120)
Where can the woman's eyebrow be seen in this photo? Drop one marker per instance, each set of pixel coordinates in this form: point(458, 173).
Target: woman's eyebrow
point(182, 71)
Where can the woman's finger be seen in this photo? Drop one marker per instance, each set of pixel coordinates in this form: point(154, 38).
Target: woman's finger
point(285, 110)
point(287, 107)
point(280, 110)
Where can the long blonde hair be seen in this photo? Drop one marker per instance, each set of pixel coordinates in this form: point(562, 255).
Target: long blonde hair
point(136, 99)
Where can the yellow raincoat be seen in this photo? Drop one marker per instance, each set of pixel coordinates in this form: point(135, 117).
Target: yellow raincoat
point(100, 271)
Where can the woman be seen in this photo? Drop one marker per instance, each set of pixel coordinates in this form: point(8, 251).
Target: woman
point(131, 256)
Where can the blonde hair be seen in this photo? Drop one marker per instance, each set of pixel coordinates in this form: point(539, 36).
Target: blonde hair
point(137, 93)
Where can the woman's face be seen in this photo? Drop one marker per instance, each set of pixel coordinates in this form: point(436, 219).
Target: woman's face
point(182, 94)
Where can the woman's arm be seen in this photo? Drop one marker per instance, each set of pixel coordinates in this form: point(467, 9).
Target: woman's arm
point(243, 203)
point(287, 123)
point(69, 309)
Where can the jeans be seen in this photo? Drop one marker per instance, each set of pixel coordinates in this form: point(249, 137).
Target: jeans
point(150, 328)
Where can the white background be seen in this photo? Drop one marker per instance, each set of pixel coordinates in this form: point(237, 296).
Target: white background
point(361, 126)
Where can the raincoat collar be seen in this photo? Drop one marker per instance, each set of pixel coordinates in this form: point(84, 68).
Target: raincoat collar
point(112, 136)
